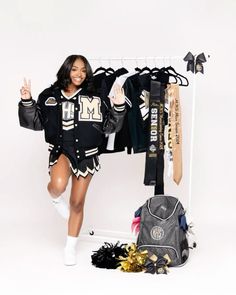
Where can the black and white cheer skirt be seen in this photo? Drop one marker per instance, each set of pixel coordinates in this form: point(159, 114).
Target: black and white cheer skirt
point(82, 161)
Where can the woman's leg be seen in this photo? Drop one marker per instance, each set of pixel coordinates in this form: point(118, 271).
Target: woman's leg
point(77, 199)
point(59, 176)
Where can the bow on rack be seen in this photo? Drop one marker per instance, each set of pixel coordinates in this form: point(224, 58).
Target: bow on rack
point(195, 65)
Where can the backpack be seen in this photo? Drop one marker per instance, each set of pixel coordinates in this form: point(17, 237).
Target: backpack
point(163, 229)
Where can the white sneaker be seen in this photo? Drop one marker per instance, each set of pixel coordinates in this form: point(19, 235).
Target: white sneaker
point(69, 256)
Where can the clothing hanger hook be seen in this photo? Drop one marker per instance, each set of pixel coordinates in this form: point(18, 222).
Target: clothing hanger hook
point(122, 61)
point(154, 60)
point(164, 61)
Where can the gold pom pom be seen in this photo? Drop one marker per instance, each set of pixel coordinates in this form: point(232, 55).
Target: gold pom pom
point(134, 261)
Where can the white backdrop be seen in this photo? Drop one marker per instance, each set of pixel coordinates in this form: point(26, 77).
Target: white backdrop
point(36, 37)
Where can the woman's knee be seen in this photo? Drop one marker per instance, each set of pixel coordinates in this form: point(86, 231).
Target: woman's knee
point(76, 206)
point(57, 186)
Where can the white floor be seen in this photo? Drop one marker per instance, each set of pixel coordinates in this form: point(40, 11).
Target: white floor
point(31, 263)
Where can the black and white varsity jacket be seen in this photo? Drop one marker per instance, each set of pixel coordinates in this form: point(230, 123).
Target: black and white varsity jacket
point(93, 118)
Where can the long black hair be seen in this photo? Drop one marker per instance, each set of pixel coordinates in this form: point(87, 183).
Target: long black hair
point(63, 75)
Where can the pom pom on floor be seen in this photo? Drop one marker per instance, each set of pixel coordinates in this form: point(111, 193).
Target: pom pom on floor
point(107, 255)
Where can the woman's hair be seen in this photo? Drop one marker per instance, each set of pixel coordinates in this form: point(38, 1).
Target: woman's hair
point(63, 75)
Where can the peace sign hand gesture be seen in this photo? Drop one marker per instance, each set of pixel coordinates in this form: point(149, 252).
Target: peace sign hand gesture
point(25, 90)
point(119, 95)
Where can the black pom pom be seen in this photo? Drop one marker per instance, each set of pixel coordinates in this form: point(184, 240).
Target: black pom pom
point(106, 256)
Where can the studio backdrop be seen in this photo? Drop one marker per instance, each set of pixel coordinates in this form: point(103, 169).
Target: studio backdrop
point(34, 43)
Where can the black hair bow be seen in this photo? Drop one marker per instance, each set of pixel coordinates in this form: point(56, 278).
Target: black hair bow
point(157, 264)
point(195, 65)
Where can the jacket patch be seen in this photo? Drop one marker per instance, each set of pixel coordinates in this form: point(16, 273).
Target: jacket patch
point(90, 109)
point(51, 101)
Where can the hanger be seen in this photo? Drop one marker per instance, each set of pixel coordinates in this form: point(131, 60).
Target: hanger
point(104, 70)
point(121, 71)
point(143, 70)
point(110, 70)
point(161, 75)
point(99, 70)
point(154, 70)
point(178, 75)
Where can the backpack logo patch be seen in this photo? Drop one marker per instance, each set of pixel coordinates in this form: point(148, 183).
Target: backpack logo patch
point(51, 101)
point(157, 233)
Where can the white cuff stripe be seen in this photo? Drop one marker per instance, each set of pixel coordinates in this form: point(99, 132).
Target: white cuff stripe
point(27, 103)
point(92, 150)
point(119, 109)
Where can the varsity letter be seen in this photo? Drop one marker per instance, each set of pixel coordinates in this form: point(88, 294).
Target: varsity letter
point(90, 108)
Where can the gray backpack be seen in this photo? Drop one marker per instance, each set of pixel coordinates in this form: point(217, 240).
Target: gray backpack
point(163, 229)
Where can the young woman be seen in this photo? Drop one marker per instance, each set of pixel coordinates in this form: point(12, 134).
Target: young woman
point(72, 116)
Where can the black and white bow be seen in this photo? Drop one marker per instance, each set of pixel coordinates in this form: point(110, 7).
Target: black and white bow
point(195, 65)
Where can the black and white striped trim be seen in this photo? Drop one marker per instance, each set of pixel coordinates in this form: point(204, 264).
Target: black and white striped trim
point(78, 172)
point(50, 147)
point(67, 125)
point(27, 102)
point(144, 111)
point(91, 152)
point(128, 102)
point(119, 108)
point(52, 163)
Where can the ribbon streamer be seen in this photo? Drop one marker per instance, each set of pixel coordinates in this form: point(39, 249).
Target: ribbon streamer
point(135, 226)
point(200, 59)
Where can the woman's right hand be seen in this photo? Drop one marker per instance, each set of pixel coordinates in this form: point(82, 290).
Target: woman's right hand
point(25, 90)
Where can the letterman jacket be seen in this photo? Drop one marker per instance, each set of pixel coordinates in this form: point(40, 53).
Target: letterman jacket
point(92, 117)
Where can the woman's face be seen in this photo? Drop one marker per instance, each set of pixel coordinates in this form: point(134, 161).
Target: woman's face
point(78, 73)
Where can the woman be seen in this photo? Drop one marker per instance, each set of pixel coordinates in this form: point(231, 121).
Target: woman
point(74, 120)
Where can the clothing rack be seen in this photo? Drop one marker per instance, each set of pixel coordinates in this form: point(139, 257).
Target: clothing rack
point(136, 58)
point(164, 59)
point(146, 59)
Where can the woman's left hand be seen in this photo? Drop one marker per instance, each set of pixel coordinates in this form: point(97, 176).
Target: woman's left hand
point(119, 95)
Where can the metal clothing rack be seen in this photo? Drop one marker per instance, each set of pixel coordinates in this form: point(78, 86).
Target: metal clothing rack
point(146, 59)
point(164, 59)
point(136, 58)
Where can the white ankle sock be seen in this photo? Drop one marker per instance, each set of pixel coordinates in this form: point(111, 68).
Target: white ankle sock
point(70, 251)
point(61, 207)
